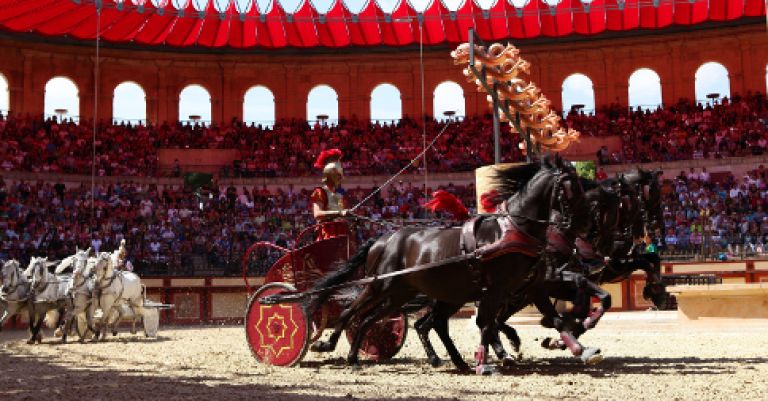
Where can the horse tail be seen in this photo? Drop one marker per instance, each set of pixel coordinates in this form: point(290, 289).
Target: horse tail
point(344, 273)
point(51, 318)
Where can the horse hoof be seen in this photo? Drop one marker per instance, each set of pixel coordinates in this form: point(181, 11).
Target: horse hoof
point(435, 362)
point(552, 344)
point(114, 333)
point(508, 361)
point(31, 341)
point(355, 366)
point(321, 346)
point(484, 370)
point(58, 333)
point(463, 367)
point(591, 356)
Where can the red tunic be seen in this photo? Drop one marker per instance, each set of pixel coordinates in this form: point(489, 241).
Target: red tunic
point(329, 228)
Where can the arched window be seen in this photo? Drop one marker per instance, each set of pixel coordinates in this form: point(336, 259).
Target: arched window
point(448, 101)
point(5, 103)
point(712, 82)
point(645, 89)
point(323, 104)
point(259, 106)
point(195, 105)
point(62, 99)
point(129, 104)
point(578, 93)
point(386, 104)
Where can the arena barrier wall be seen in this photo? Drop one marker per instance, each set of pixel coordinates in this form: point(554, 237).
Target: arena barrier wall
point(221, 300)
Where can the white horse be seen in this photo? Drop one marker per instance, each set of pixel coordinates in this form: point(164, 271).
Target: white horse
point(113, 287)
point(48, 292)
point(81, 291)
point(14, 292)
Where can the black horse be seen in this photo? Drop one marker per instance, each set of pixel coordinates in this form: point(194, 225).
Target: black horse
point(639, 213)
point(490, 279)
point(601, 216)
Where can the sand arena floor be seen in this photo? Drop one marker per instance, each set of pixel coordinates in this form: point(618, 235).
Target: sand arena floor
point(648, 356)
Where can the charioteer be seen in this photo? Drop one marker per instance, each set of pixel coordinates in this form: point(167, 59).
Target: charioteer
point(328, 203)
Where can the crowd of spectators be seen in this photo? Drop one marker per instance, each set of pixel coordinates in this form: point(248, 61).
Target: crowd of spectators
point(176, 228)
point(682, 131)
point(726, 215)
point(685, 130)
point(164, 225)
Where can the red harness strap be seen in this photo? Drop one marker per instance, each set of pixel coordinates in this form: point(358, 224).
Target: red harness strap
point(513, 240)
point(557, 242)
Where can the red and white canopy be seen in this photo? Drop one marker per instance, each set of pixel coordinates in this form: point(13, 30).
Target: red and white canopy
point(228, 23)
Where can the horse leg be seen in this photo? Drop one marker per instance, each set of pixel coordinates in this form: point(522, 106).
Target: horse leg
point(33, 329)
point(437, 319)
point(116, 321)
point(442, 314)
point(38, 319)
point(487, 312)
point(511, 333)
point(60, 323)
point(383, 309)
point(593, 290)
point(364, 302)
point(423, 326)
point(10, 310)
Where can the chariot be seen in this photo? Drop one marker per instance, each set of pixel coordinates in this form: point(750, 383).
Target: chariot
point(280, 334)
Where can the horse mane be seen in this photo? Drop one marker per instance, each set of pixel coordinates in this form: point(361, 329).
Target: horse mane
point(509, 181)
point(65, 264)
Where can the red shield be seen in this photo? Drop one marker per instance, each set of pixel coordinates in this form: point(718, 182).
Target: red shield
point(277, 334)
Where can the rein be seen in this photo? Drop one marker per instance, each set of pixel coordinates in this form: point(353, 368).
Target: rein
point(298, 297)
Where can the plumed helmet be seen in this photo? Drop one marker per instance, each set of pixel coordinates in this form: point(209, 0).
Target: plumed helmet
point(330, 161)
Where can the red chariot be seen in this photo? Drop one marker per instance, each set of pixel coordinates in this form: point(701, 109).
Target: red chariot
point(280, 334)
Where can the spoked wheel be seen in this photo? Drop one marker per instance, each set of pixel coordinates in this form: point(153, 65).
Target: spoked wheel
point(384, 339)
point(277, 334)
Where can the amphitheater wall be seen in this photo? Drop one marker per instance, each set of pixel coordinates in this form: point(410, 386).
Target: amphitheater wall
point(28, 63)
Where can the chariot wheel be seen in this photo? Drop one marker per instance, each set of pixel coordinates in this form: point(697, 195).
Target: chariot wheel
point(384, 339)
point(277, 334)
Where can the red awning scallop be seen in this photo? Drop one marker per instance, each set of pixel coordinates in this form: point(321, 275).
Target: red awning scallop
point(227, 23)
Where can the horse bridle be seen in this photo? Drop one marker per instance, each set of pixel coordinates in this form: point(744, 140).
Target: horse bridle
point(42, 284)
point(79, 272)
point(16, 282)
point(564, 207)
point(109, 284)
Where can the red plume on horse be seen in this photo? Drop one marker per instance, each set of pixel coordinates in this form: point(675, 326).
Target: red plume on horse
point(446, 201)
point(491, 200)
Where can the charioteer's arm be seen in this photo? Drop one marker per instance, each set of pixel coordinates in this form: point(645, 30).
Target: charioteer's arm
point(320, 214)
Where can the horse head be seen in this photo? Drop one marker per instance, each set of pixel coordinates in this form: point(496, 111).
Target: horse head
point(603, 204)
point(81, 268)
point(9, 276)
point(103, 266)
point(648, 192)
point(36, 270)
point(553, 194)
